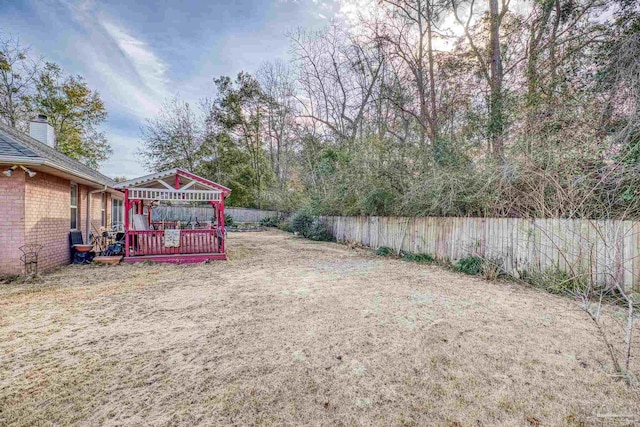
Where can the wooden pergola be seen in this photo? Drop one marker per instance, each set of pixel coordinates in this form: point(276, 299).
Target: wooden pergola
point(167, 241)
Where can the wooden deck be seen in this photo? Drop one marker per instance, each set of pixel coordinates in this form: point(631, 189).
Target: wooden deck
point(177, 259)
point(151, 242)
point(195, 246)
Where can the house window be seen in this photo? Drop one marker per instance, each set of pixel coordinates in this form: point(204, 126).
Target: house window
point(74, 207)
point(117, 214)
point(103, 210)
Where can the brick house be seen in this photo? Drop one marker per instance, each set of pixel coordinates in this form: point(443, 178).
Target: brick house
point(45, 194)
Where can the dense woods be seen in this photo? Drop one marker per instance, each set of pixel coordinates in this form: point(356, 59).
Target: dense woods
point(430, 107)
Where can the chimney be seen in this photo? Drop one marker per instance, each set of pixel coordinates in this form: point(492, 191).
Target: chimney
point(40, 129)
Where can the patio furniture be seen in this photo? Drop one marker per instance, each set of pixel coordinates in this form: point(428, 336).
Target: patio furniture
point(80, 253)
point(115, 248)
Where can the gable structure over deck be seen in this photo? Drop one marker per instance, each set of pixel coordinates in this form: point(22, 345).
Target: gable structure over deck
point(174, 185)
point(146, 241)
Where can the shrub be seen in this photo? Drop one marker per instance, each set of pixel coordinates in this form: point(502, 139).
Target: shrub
point(9, 279)
point(424, 258)
point(270, 221)
point(309, 226)
point(470, 265)
point(379, 202)
point(228, 220)
point(554, 281)
point(384, 251)
point(491, 269)
point(318, 231)
point(301, 222)
point(407, 256)
point(285, 225)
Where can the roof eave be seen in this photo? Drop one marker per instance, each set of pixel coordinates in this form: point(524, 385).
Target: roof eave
point(175, 171)
point(23, 160)
point(39, 161)
point(225, 190)
point(152, 176)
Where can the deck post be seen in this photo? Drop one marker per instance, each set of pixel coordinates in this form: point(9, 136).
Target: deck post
point(221, 221)
point(126, 222)
point(215, 213)
point(214, 222)
point(218, 225)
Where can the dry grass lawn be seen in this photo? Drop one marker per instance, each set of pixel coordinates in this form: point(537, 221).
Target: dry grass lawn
point(294, 332)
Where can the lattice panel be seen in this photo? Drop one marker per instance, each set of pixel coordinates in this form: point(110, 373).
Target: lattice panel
point(174, 195)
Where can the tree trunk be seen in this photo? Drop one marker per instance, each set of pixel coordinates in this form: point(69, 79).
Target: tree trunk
point(496, 113)
point(432, 80)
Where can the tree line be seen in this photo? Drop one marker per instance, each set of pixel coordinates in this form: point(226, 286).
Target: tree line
point(429, 107)
point(31, 85)
point(417, 107)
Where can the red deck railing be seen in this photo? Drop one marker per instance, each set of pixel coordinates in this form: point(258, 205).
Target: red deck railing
point(164, 225)
point(172, 225)
point(151, 242)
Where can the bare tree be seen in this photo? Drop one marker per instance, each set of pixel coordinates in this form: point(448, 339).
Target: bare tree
point(337, 76)
point(490, 65)
point(18, 74)
point(174, 138)
point(408, 29)
point(278, 89)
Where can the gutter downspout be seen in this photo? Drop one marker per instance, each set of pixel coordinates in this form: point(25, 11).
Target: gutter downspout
point(88, 216)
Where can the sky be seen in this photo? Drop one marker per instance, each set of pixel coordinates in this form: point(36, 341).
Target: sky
point(138, 53)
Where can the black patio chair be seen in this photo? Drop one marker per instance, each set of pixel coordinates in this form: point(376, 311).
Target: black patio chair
point(75, 238)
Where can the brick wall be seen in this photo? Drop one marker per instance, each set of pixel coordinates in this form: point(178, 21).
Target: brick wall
point(37, 210)
point(47, 218)
point(11, 222)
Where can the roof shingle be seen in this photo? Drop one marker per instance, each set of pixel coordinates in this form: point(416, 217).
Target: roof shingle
point(14, 143)
point(9, 148)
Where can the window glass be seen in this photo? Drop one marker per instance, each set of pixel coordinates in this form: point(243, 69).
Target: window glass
point(74, 207)
point(117, 214)
point(103, 210)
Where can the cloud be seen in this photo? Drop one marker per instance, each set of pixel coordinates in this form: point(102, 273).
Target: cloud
point(116, 59)
point(150, 69)
point(133, 78)
point(136, 54)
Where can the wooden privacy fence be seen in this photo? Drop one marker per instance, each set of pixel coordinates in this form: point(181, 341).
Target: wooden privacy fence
point(249, 215)
point(205, 213)
point(607, 251)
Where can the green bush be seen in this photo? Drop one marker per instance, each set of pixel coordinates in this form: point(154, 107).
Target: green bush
point(318, 231)
point(470, 265)
point(309, 226)
point(384, 251)
point(301, 222)
point(270, 221)
point(554, 281)
point(424, 258)
point(379, 202)
point(285, 225)
point(228, 220)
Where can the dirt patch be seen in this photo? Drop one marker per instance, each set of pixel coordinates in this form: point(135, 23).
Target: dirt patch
point(293, 332)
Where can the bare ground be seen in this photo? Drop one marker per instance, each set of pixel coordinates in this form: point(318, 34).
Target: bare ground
point(293, 332)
